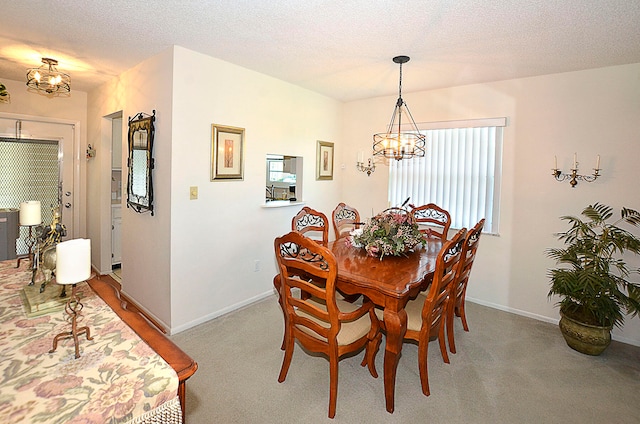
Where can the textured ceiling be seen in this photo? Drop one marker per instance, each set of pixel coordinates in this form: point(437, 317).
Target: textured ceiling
point(341, 48)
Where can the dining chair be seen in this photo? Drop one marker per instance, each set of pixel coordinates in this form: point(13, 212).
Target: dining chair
point(459, 288)
point(321, 323)
point(426, 314)
point(312, 224)
point(432, 220)
point(345, 218)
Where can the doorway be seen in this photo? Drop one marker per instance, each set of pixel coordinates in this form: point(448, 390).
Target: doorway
point(37, 158)
point(116, 196)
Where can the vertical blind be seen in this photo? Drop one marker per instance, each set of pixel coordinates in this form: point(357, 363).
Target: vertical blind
point(460, 173)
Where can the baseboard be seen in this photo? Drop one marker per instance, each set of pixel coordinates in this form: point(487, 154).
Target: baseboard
point(542, 318)
point(222, 312)
point(135, 307)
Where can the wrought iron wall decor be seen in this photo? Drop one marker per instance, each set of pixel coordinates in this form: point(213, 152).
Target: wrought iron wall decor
point(140, 162)
point(573, 176)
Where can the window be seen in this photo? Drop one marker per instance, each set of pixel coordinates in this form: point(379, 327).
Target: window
point(277, 172)
point(283, 178)
point(460, 172)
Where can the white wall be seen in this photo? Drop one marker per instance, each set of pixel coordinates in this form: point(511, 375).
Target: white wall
point(589, 112)
point(146, 251)
point(216, 239)
point(196, 259)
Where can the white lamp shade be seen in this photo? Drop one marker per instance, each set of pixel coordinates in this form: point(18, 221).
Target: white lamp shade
point(73, 261)
point(30, 213)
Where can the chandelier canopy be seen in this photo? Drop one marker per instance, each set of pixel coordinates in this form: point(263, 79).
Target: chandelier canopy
point(48, 79)
point(396, 143)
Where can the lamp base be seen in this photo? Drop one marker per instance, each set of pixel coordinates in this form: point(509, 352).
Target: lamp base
point(73, 307)
point(38, 303)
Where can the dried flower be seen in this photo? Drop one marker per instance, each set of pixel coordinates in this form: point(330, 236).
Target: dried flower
point(388, 233)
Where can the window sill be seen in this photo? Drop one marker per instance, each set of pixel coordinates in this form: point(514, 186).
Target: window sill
point(281, 204)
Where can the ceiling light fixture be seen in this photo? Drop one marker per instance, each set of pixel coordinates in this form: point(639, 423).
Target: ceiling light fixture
point(48, 79)
point(395, 143)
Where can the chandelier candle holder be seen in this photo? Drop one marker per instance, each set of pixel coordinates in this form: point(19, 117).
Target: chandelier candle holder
point(573, 176)
point(73, 266)
point(361, 166)
point(30, 216)
point(396, 143)
point(48, 80)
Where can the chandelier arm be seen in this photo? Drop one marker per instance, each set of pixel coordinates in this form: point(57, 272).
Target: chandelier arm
point(393, 119)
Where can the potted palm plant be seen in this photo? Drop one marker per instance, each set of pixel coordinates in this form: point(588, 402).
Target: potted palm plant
point(593, 279)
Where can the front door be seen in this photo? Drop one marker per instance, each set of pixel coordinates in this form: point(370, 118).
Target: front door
point(52, 134)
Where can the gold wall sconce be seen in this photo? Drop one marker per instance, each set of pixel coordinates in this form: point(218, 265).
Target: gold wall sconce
point(369, 167)
point(573, 176)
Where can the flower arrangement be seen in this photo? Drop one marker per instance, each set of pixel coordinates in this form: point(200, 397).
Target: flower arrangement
point(388, 233)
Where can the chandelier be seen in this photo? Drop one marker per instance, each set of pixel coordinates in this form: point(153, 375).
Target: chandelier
point(48, 79)
point(395, 143)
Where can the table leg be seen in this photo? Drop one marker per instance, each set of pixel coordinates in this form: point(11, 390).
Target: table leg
point(396, 326)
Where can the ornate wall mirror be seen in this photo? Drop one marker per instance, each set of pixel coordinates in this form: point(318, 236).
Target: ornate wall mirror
point(140, 162)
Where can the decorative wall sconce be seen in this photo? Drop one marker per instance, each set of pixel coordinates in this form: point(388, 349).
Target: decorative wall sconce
point(368, 168)
point(574, 177)
point(5, 97)
point(91, 152)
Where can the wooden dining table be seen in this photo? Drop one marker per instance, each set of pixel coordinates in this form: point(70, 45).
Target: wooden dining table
point(389, 283)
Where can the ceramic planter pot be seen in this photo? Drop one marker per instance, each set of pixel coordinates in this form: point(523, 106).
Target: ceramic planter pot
point(585, 338)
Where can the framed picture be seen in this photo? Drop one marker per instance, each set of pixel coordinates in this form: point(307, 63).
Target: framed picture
point(324, 160)
point(227, 149)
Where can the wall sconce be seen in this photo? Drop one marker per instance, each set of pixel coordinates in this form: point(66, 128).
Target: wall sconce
point(368, 168)
point(573, 177)
point(91, 152)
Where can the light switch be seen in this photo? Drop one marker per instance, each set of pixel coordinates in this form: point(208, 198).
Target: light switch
point(193, 193)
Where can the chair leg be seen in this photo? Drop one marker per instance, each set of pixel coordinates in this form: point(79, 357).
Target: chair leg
point(450, 337)
point(284, 315)
point(277, 284)
point(423, 351)
point(463, 315)
point(370, 354)
point(286, 361)
point(443, 345)
point(333, 384)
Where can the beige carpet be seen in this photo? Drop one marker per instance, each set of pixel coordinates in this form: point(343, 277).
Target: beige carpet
point(508, 369)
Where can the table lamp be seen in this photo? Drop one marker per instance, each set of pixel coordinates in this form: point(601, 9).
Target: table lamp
point(73, 265)
point(30, 216)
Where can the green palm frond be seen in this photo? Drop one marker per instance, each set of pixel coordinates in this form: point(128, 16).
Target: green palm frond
point(593, 276)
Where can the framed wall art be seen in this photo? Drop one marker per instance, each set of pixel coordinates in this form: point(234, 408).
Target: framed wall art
point(324, 160)
point(227, 152)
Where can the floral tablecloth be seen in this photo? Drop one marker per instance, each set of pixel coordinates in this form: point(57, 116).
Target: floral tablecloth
point(117, 379)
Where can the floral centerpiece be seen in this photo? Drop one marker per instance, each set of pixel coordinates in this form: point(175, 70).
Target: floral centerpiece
point(388, 233)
